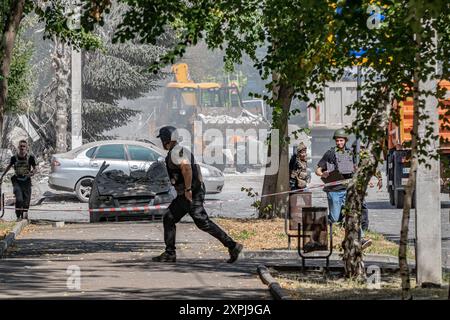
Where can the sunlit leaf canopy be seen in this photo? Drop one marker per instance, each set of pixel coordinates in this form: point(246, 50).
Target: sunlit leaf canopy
point(59, 17)
point(287, 30)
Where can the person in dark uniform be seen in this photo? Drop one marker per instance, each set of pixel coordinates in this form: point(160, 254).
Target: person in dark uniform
point(186, 177)
point(24, 167)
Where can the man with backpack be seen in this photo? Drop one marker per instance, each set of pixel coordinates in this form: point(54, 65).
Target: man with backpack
point(24, 167)
point(339, 161)
point(186, 177)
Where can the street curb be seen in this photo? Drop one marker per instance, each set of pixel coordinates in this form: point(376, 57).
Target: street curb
point(292, 255)
point(275, 289)
point(11, 237)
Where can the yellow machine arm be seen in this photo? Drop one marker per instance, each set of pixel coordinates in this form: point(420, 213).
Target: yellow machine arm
point(181, 73)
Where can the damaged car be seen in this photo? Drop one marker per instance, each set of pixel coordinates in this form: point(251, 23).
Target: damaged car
point(143, 194)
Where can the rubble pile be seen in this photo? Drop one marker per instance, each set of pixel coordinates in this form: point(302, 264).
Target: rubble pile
point(154, 180)
point(43, 171)
point(243, 118)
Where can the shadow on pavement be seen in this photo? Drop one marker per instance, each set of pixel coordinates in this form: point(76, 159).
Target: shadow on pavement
point(51, 197)
point(43, 247)
point(379, 205)
point(32, 279)
point(38, 268)
point(192, 293)
point(386, 205)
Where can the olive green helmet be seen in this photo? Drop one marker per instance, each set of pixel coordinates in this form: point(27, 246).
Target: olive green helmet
point(340, 133)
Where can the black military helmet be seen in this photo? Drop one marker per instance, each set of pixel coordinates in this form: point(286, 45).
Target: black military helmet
point(340, 133)
point(167, 134)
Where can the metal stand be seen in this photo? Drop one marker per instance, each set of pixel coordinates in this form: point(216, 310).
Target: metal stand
point(286, 229)
point(301, 236)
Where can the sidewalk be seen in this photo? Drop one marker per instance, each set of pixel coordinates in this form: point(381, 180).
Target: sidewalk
point(115, 263)
point(114, 260)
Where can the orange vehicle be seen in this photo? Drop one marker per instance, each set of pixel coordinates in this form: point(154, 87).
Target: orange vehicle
point(398, 166)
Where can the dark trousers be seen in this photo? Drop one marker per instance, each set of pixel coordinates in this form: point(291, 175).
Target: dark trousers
point(364, 217)
point(22, 192)
point(179, 207)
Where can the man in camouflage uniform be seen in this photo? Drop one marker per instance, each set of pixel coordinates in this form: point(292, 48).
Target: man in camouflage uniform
point(299, 174)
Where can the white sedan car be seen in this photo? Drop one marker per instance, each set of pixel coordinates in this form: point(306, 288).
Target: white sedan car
point(75, 170)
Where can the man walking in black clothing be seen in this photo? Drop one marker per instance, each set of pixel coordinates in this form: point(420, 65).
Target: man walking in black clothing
point(24, 167)
point(186, 176)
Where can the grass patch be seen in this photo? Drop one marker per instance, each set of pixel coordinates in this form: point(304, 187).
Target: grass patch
point(259, 234)
point(320, 287)
point(5, 228)
point(245, 235)
point(262, 234)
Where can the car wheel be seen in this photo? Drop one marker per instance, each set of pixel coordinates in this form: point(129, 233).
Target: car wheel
point(83, 189)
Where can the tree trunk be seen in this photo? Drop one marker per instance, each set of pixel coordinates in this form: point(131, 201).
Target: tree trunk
point(6, 128)
point(61, 62)
point(273, 206)
point(410, 186)
point(356, 191)
point(6, 50)
point(352, 257)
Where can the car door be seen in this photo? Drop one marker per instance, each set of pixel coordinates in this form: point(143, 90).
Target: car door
point(114, 155)
point(140, 157)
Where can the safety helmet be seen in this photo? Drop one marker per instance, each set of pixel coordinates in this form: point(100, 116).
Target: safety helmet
point(340, 133)
point(167, 134)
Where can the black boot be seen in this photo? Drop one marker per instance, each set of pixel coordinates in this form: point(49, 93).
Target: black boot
point(165, 257)
point(234, 253)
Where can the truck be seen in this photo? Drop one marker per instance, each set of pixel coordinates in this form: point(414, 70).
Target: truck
point(398, 154)
point(212, 105)
point(330, 114)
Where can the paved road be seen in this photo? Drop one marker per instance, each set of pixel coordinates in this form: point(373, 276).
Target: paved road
point(114, 261)
point(232, 202)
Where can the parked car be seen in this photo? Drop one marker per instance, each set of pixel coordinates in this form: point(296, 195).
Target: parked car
point(75, 170)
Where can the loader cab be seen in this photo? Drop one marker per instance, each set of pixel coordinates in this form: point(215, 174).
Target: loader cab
point(219, 97)
point(184, 101)
point(180, 102)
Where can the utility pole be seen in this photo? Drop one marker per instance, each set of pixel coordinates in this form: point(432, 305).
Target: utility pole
point(428, 204)
point(77, 139)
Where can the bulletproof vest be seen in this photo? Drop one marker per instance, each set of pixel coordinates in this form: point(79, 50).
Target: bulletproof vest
point(22, 166)
point(344, 161)
point(175, 174)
